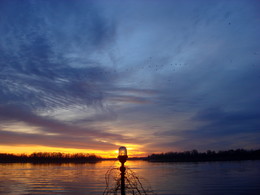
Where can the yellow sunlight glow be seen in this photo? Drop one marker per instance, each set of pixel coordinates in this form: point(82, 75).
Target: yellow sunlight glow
point(133, 150)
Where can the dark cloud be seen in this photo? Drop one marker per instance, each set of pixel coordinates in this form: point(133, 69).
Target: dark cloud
point(33, 55)
point(62, 141)
point(216, 129)
point(59, 87)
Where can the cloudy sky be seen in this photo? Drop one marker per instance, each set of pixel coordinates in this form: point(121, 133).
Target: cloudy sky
point(155, 76)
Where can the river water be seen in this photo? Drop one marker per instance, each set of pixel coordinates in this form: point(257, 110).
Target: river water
point(238, 177)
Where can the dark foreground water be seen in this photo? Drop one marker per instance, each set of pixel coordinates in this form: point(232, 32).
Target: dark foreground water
point(164, 178)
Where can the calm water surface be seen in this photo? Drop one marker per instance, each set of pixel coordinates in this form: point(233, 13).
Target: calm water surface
point(164, 178)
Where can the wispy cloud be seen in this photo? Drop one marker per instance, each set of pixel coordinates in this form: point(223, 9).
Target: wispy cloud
point(159, 73)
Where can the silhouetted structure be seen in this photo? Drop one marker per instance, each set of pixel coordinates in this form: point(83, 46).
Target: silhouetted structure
point(195, 156)
point(122, 157)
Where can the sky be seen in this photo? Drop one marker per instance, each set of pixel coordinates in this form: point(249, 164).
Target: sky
point(154, 76)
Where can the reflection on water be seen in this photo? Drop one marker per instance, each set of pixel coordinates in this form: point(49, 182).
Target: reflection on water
point(164, 178)
point(52, 178)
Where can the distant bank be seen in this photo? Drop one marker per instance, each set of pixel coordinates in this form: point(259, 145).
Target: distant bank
point(187, 156)
point(46, 157)
point(195, 156)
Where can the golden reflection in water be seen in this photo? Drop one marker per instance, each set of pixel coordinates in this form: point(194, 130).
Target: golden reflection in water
point(27, 178)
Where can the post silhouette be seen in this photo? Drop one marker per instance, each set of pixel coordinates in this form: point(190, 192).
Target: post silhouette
point(122, 157)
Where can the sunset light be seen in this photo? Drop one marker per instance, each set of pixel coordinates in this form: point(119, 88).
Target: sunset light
point(31, 149)
point(154, 77)
point(172, 81)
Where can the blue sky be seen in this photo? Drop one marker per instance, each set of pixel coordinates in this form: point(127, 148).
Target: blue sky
point(153, 75)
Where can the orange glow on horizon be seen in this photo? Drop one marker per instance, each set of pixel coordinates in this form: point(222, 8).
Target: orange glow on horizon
point(133, 151)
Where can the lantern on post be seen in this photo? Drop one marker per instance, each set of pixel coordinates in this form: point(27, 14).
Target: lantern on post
point(122, 157)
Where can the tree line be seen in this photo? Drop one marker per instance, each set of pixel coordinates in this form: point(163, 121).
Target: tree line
point(48, 157)
point(187, 156)
point(195, 156)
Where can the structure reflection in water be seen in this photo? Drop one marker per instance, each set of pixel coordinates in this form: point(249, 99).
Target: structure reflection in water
point(125, 182)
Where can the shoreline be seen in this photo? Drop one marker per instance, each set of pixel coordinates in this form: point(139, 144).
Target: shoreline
point(98, 161)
